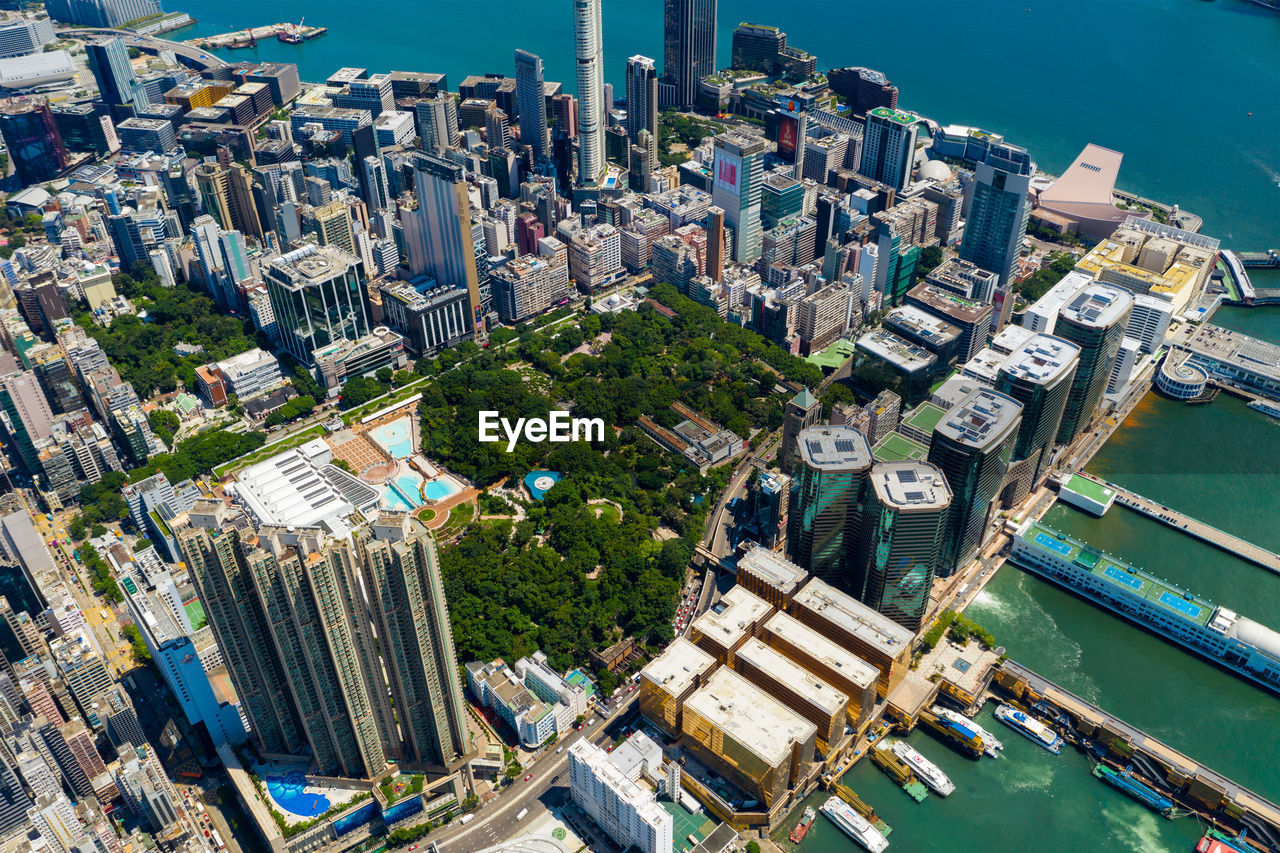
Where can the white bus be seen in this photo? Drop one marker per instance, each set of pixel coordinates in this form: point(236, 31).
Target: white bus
point(523, 812)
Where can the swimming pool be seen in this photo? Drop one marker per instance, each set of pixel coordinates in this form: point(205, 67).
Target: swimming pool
point(403, 493)
point(440, 488)
point(290, 792)
point(394, 437)
point(394, 501)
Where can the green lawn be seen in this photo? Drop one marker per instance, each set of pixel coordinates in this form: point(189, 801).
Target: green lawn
point(266, 451)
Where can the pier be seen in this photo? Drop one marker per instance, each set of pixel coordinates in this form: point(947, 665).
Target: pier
point(1270, 259)
point(1214, 796)
point(289, 33)
point(1246, 551)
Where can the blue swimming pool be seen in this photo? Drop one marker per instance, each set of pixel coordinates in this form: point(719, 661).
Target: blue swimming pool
point(438, 490)
point(290, 792)
point(394, 438)
point(393, 500)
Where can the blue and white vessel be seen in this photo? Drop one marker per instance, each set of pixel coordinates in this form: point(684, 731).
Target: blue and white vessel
point(1030, 728)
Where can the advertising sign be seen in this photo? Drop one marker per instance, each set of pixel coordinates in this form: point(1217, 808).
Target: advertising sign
point(728, 168)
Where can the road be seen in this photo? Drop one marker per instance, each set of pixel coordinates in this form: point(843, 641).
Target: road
point(496, 821)
point(190, 55)
point(716, 538)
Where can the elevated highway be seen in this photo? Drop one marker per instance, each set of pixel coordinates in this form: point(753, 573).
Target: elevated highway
point(189, 55)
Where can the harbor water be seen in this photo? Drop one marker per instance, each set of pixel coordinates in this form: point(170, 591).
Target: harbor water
point(1185, 88)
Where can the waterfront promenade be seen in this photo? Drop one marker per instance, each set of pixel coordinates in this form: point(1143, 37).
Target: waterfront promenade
point(1193, 527)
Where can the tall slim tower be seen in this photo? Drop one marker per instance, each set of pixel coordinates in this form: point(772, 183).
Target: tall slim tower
point(531, 103)
point(889, 147)
point(737, 184)
point(904, 532)
point(689, 47)
point(441, 243)
point(973, 445)
point(998, 215)
point(406, 598)
point(117, 85)
point(642, 106)
point(1093, 320)
point(715, 243)
point(802, 411)
point(216, 560)
point(1038, 375)
point(591, 104)
point(437, 120)
point(831, 473)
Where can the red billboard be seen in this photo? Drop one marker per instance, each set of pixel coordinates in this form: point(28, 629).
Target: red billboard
point(788, 133)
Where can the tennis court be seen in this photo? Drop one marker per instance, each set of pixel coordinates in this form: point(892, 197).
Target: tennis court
point(1123, 577)
point(685, 823)
point(1191, 611)
point(1046, 541)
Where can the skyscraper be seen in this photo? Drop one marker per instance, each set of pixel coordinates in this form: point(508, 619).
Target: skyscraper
point(32, 139)
point(889, 146)
point(117, 85)
point(830, 473)
point(318, 296)
point(904, 534)
point(715, 243)
point(973, 445)
point(802, 411)
point(437, 121)
point(406, 597)
point(998, 215)
point(642, 106)
point(737, 182)
point(591, 104)
point(531, 104)
point(440, 242)
point(226, 193)
point(1093, 320)
point(689, 48)
point(1038, 375)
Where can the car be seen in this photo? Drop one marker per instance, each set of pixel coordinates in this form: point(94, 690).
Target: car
point(528, 776)
point(609, 748)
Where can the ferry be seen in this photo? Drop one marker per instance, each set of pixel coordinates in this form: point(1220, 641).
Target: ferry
point(924, 768)
point(1140, 791)
point(990, 745)
point(1031, 728)
point(1214, 841)
point(854, 825)
point(802, 828)
point(1266, 407)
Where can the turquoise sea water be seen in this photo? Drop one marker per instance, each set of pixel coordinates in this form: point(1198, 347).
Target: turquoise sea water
point(1170, 83)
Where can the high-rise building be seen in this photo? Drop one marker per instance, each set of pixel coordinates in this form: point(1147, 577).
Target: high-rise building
point(973, 445)
point(25, 35)
point(629, 814)
point(437, 119)
point(715, 243)
point(440, 242)
point(117, 85)
point(865, 88)
point(1095, 321)
point(531, 105)
point(226, 193)
point(889, 147)
point(642, 105)
point(591, 97)
point(318, 296)
point(689, 48)
point(14, 801)
point(32, 139)
point(332, 226)
point(904, 535)
point(401, 574)
point(998, 219)
point(802, 411)
point(737, 184)
point(756, 47)
point(830, 471)
point(1038, 375)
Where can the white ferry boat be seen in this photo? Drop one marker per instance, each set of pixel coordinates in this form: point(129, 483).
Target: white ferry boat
point(928, 772)
point(854, 825)
point(1031, 728)
point(990, 745)
point(1266, 407)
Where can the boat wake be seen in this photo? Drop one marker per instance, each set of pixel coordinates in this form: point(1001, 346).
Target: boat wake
point(1045, 634)
point(1136, 829)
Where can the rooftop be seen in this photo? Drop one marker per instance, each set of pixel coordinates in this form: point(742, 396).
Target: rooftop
point(678, 667)
point(1226, 345)
point(775, 569)
point(731, 617)
point(925, 417)
point(823, 649)
point(898, 351)
point(782, 669)
point(924, 325)
point(1099, 306)
point(852, 616)
point(910, 486)
point(1041, 359)
point(948, 304)
point(751, 717)
point(1090, 489)
point(982, 420)
point(896, 447)
point(834, 448)
point(1011, 338)
point(898, 116)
